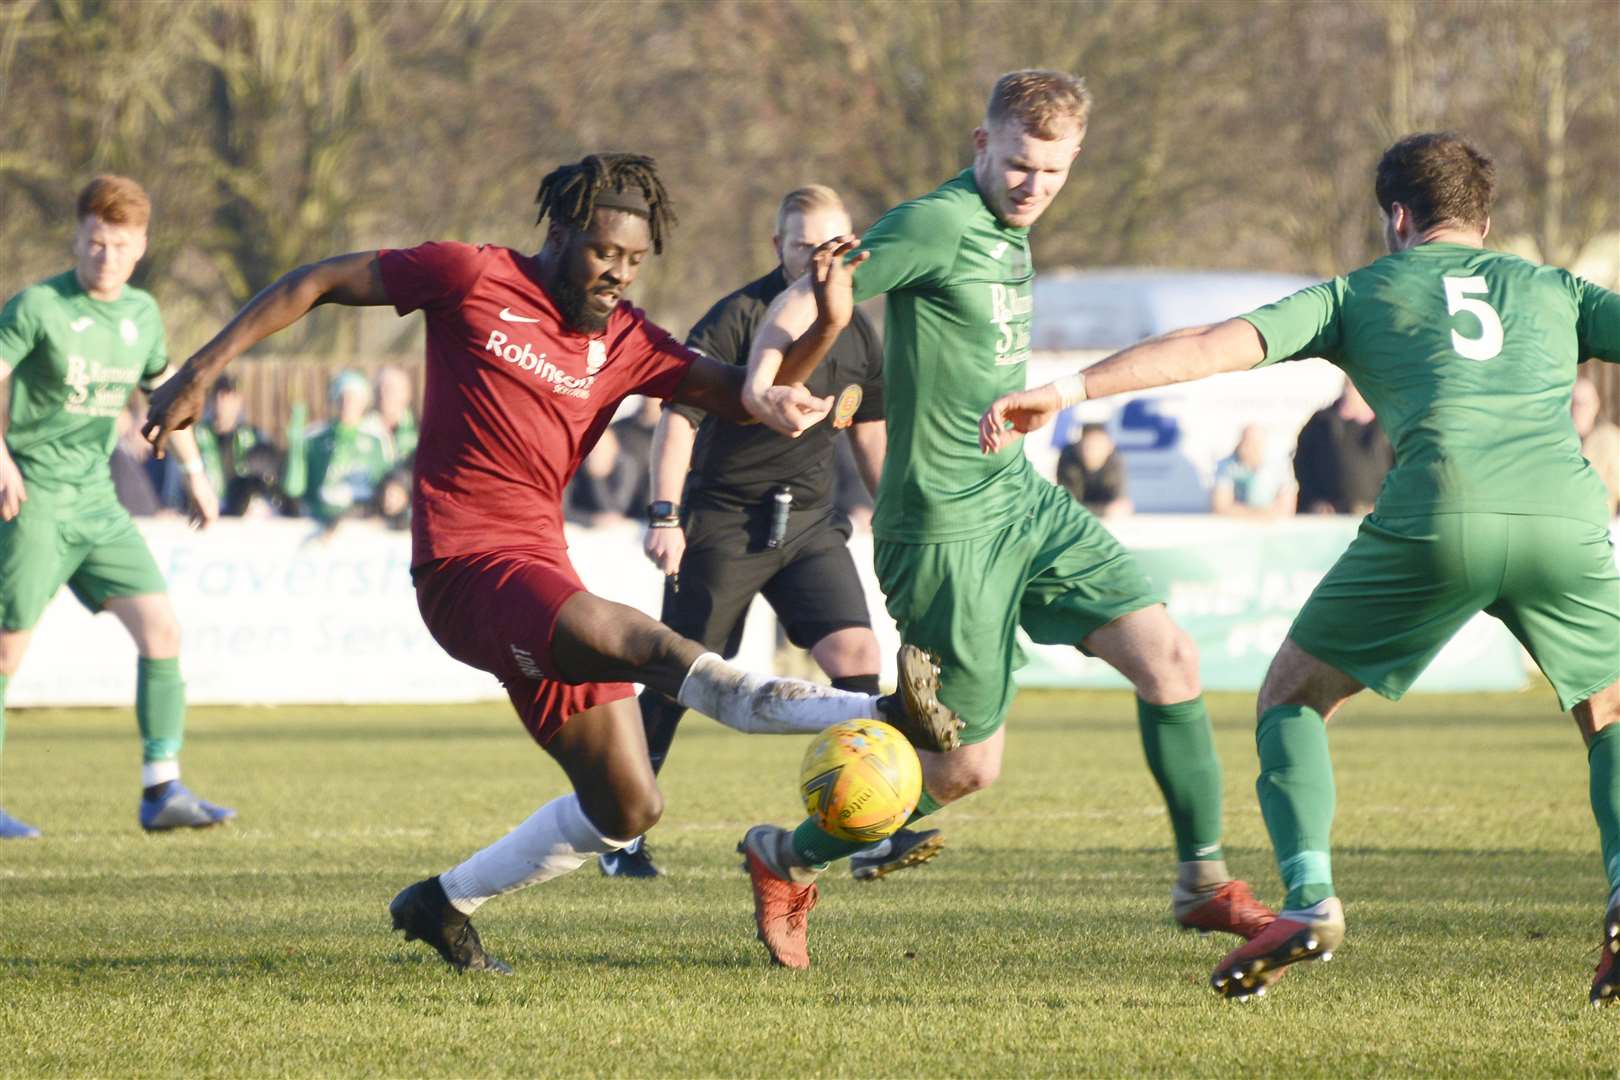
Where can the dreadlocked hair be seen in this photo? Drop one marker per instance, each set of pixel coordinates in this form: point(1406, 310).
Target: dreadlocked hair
point(568, 193)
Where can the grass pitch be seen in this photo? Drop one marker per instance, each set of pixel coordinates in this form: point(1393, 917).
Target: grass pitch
point(1038, 944)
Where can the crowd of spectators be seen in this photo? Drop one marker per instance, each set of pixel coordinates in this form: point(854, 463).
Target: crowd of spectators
point(357, 462)
point(1338, 463)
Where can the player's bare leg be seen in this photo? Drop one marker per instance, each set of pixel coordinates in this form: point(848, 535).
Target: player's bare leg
point(615, 798)
point(1598, 717)
point(1161, 662)
point(597, 640)
point(13, 643)
point(1299, 695)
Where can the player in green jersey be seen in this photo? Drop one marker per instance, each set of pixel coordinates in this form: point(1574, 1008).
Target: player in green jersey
point(1468, 357)
point(72, 350)
point(970, 548)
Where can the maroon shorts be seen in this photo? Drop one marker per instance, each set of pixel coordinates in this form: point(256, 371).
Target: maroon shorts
point(496, 611)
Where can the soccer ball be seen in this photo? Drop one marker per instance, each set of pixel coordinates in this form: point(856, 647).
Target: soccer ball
point(860, 780)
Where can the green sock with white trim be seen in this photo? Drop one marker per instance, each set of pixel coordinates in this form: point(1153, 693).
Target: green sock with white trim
point(1180, 749)
point(160, 712)
point(1297, 800)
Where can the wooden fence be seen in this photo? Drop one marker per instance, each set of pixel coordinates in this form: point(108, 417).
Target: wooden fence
point(272, 385)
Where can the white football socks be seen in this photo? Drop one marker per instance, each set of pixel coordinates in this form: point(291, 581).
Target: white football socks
point(765, 705)
point(555, 839)
point(157, 772)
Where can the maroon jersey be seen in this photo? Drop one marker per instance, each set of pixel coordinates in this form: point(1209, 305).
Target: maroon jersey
point(514, 400)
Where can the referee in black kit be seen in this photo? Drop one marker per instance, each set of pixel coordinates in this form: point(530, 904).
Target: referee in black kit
point(758, 517)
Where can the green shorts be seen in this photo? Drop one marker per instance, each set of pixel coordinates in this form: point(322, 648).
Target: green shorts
point(1406, 585)
point(1055, 571)
point(87, 543)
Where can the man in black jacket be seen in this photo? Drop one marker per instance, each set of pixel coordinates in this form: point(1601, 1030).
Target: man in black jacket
point(758, 517)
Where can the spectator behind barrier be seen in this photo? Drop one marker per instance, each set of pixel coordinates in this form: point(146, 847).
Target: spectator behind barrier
point(1251, 482)
point(256, 489)
point(335, 470)
point(1091, 469)
point(394, 498)
point(224, 440)
point(1600, 438)
point(1342, 457)
point(392, 421)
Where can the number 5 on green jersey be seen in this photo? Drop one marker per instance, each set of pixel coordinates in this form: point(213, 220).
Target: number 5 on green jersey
point(1460, 293)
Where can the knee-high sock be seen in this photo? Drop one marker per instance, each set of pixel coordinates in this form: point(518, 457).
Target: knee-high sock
point(555, 839)
point(5, 680)
point(1603, 759)
point(1296, 798)
point(815, 847)
point(1180, 750)
point(760, 704)
point(857, 684)
point(659, 719)
point(160, 711)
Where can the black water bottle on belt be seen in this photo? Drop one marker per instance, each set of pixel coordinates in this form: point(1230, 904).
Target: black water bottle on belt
point(781, 503)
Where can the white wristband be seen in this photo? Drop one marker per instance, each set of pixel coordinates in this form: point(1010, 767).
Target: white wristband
point(192, 468)
point(1071, 389)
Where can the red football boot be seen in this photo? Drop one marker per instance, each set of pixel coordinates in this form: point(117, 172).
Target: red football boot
point(1292, 936)
point(781, 906)
point(1230, 909)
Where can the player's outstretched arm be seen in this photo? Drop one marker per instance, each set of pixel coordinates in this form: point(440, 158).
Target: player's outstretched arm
point(801, 325)
point(718, 388)
point(354, 279)
point(1181, 356)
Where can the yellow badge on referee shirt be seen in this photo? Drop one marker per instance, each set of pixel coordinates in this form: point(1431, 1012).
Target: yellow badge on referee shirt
point(848, 402)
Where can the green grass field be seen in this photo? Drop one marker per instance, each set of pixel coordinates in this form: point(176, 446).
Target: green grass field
point(1038, 944)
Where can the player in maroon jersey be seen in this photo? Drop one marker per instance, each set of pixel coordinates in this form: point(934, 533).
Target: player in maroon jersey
point(527, 359)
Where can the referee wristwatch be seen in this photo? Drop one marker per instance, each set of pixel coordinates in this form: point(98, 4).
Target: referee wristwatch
point(663, 514)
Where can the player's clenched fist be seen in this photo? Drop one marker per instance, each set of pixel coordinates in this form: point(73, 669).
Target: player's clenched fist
point(1014, 415)
point(176, 404)
point(832, 279)
point(790, 410)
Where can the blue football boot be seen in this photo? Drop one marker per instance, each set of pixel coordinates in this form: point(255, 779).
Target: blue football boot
point(12, 829)
point(634, 860)
point(178, 808)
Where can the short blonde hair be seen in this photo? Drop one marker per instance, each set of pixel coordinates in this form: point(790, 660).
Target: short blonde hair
point(117, 200)
point(1046, 104)
point(802, 200)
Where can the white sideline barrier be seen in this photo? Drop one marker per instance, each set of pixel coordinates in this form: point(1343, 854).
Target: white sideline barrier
point(272, 615)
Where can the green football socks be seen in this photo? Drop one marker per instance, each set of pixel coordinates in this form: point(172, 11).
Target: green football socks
point(815, 847)
point(1180, 751)
point(1603, 759)
point(160, 708)
point(1296, 799)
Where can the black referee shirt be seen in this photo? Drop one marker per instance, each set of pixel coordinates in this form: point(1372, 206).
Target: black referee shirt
point(735, 466)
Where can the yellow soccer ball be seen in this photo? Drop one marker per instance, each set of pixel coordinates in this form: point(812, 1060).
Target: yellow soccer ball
point(860, 780)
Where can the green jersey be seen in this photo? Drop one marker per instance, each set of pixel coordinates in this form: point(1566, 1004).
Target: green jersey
point(73, 363)
point(956, 338)
point(346, 462)
point(1468, 357)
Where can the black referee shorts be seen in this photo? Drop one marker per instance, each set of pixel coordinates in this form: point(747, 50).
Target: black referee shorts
point(810, 581)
